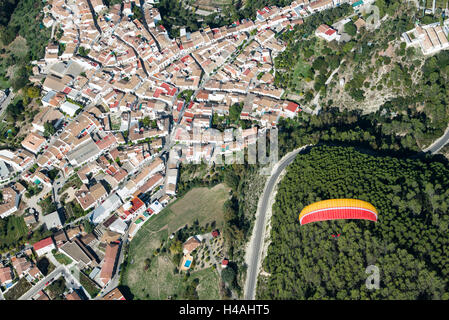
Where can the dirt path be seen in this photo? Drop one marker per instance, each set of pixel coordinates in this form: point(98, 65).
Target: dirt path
point(317, 96)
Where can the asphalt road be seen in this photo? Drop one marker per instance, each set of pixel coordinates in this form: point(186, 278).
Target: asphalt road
point(259, 230)
point(439, 143)
point(61, 270)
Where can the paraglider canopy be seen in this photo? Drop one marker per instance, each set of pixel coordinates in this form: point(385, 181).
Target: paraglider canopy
point(334, 209)
point(336, 235)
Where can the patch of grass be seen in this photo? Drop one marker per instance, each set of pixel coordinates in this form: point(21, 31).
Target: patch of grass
point(160, 281)
point(4, 83)
point(62, 258)
point(115, 122)
point(13, 231)
point(203, 204)
point(301, 71)
point(57, 289)
point(19, 47)
point(208, 287)
point(74, 211)
point(301, 68)
point(47, 205)
point(89, 285)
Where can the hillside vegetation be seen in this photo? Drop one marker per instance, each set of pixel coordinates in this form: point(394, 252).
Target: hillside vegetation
point(408, 243)
point(151, 267)
point(21, 18)
point(373, 72)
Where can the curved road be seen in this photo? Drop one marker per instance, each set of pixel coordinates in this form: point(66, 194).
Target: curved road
point(260, 225)
point(439, 143)
point(259, 228)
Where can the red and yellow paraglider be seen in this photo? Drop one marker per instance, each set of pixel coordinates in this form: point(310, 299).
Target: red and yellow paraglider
point(337, 209)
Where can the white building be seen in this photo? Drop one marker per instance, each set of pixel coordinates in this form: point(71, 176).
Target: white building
point(69, 108)
point(44, 246)
point(107, 207)
point(430, 38)
point(327, 33)
point(118, 226)
point(156, 207)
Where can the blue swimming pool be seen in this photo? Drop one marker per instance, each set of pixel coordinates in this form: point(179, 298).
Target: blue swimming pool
point(187, 263)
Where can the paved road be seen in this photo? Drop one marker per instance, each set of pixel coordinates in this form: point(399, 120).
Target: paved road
point(57, 185)
point(439, 143)
point(71, 282)
point(41, 284)
point(260, 226)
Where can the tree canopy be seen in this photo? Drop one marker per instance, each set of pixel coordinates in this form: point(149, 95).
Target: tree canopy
point(407, 243)
point(350, 28)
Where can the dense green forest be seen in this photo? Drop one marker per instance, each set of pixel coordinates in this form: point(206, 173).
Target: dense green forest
point(408, 243)
point(370, 131)
point(23, 18)
point(6, 9)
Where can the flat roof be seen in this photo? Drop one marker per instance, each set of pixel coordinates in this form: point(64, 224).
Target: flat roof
point(69, 105)
point(90, 149)
point(73, 250)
